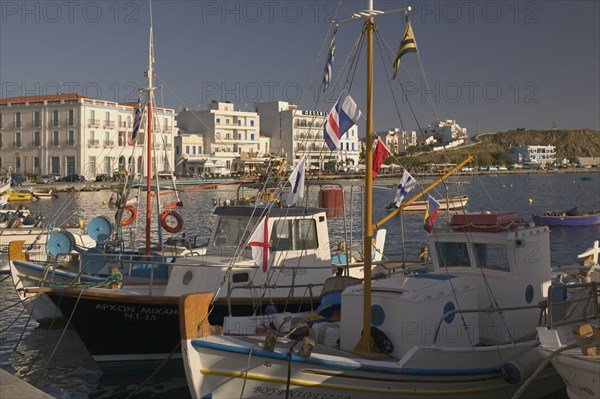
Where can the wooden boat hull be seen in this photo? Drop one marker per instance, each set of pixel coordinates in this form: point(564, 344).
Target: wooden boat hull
point(586, 220)
point(152, 319)
point(222, 366)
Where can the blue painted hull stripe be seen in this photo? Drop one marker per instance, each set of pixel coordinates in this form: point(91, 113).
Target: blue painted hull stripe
point(58, 272)
point(344, 365)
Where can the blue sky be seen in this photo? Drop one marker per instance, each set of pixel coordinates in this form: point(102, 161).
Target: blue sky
point(491, 65)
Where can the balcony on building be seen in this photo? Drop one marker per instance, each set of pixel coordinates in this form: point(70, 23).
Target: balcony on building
point(94, 122)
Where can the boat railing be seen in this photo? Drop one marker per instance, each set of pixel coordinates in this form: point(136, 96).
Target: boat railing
point(489, 309)
point(586, 295)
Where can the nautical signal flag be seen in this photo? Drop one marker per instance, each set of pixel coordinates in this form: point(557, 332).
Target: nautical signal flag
point(406, 184)
point(297, 182)
point(342, 117)
point(407, 45)
point(379, 156)
point(327, 74)
point(431, 210)
point(259, 242)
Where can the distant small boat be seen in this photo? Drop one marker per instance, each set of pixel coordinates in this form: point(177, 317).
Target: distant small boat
point(20, 195)
point(451, 204)
point(47, 195)
point(572, 217)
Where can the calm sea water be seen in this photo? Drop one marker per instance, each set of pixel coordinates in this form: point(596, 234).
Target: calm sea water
point(57, 362)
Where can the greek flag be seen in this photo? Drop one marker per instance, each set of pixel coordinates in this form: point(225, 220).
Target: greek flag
point(329, 65)
point(342, 117)
point(137, 119)
point(297, 183)
point(406, 184)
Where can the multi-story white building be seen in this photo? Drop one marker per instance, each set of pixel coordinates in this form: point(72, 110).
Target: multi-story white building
point(398, 141)
point(539, 154)
point(295, 133)
point(448, 129)
point(226, 134)
point(72, 133)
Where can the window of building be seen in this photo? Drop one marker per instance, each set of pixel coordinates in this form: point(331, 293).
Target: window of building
point(218, 135)
point(239, 122)
point(252, 123)
point(71, 138)
point(55, 137)
point(55, 118)
point(17, 163)
point(17, 119)
point(218, 120)
point(252, 136)
point(36, 139)
point(199, 149)
point(92, 165)
point(70, 117)
point(37, 122)
point(1, 123)
point(227, 121)
point(107, 165)
point(239, 136)
point(193, 150)
point(1, 141)
point(36, 164)
point(18, 143)
point(187, 149)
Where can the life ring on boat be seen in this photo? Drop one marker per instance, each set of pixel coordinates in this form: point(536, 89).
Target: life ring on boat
point(163, 221)
point(132, 209)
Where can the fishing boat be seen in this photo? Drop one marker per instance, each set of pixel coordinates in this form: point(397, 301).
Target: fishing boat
point(461, 331)
point(20, 195)
point(571, 217)
point(43, 195)
point(446, 204)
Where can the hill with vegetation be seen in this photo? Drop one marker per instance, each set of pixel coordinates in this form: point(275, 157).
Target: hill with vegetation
point(492, 148)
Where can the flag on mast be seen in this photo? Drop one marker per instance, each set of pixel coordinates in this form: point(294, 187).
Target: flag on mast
point(329, 65)
point(380, 155)
point(342, 117)
point(137, 119)
point(406, 184)
point(297, 182)
point(407, 45)
point(259, 242)
point(431, 210)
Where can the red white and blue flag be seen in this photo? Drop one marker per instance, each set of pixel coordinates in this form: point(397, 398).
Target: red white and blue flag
point(342, 117)
point(259, 241)
point(406, 184)
point(431, 210)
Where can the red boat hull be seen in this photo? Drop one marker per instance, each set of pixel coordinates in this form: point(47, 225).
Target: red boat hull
point(487, 222)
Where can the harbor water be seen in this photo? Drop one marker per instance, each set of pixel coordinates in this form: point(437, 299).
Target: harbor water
point(56, 362)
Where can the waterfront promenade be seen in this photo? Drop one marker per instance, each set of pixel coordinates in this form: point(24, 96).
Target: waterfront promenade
point(12, 387)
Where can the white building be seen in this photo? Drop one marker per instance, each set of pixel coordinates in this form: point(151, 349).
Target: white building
point(226, 134)
point(448, 129)
point(295, 133)
point(72, 133)
point(398, 141)
point(538, 154)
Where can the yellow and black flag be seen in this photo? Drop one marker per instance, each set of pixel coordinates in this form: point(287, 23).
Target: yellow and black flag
point(407, 45)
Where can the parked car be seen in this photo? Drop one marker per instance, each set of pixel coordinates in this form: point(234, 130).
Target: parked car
point(56, 176)
point(44, 179)
point(73, 177)
point(103, 177)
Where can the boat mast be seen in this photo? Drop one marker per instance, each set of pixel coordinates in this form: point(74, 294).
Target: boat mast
point(150, 95)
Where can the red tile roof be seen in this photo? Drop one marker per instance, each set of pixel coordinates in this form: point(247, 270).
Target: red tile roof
point(41, 98)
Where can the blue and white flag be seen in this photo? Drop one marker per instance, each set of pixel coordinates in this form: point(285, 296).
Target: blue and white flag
point(342, 117)
point(329, 65)
point(406, 184)
point(137, 119)
point(297, 182)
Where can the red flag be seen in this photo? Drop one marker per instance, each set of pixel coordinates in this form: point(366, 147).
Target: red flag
point(380, 155)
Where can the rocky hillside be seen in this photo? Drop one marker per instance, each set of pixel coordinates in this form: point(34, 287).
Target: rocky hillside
point(568, 143)
point(492, 148)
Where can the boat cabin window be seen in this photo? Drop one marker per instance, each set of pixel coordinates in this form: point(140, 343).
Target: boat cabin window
point(492, 257)
point(452, 254)
point(293, 235)
point(233, 230)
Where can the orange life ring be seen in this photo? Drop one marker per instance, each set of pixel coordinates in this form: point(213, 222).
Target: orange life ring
point(163, 221)
point(132, 209)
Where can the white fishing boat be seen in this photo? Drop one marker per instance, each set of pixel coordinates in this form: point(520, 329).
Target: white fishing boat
point(463, 330)
point(446, 204)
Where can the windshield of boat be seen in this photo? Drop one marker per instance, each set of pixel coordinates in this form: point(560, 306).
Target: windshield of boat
point(233, 230)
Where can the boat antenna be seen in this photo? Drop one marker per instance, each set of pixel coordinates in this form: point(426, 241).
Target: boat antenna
point(150, 90)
